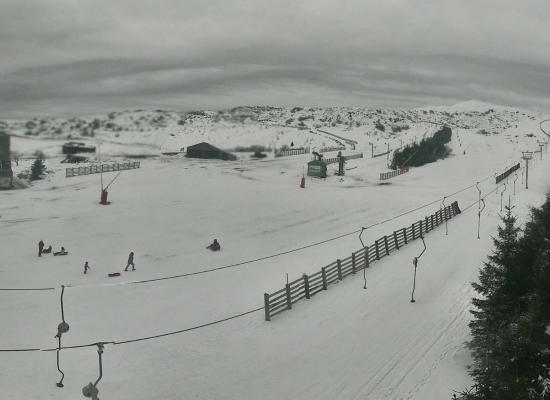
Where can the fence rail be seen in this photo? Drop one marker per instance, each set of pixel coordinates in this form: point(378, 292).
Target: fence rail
point(507, 173)
point(329, 149)
point(292, 152)
point(96, 169)
point(309, 285)
point(392, 174)
point(334, 160)
point(381, 154)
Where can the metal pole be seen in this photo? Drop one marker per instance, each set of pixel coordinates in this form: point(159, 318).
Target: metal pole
point(366, 258)
point(415, 263)
point(501, 193)
point(526, 173)
point(445, 214)
point(479, 217)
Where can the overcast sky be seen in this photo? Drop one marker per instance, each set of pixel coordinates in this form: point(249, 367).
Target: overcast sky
point(60, 57)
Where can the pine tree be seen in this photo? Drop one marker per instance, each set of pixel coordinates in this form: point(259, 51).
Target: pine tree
point(493, 324)
point(37, 169)
point(511, 325)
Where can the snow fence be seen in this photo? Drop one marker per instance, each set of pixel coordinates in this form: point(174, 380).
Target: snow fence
point(391, 174)
point(309, 285)
point(96, 169)
point(334, 160)
point(507, 173)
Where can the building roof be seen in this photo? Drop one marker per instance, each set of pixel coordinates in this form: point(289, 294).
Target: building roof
point(204, 147)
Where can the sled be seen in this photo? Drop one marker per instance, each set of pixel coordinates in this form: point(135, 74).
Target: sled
point(112, 274)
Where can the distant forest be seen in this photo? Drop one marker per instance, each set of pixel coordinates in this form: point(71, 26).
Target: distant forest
point(427, 151)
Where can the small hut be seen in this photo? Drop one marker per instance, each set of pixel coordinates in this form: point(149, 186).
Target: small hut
point(317, 167)
point(206, 150)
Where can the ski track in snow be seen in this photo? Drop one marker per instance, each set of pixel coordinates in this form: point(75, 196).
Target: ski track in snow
point(344, 343)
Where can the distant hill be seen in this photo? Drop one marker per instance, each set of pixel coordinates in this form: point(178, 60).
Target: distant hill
point(262, 125)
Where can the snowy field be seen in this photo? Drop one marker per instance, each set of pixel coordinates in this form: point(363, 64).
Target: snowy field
point(345, 343)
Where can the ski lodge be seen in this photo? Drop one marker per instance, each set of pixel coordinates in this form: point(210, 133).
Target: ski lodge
point(206, 150)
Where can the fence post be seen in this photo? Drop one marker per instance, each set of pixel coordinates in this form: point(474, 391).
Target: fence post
point(405, 234)
point(353, 263)
point(395, 240)
point(427, 225)
point(266, 306)
point(306, 285)
point(324, 274)
point(432, 218)
point(386, 244)
point(413, 231)
point(288, 298)
point(377, 252)
point(339, 264)
point(367, 257)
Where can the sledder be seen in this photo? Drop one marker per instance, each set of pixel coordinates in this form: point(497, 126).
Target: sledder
point(215, 246)
point(61, 253)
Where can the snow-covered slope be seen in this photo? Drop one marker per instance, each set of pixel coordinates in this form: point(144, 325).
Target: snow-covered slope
point(346, 343)
point(165, 131)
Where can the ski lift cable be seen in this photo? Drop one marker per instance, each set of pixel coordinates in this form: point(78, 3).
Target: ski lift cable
point(119, 342)
point(264, 257)
point(139, 339)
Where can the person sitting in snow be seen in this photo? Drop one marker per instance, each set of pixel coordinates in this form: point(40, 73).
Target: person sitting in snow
point(61, 253)
point(215, 246)
point(48, 250)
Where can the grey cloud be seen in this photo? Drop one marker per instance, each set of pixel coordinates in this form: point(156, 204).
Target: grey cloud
point(86, 56)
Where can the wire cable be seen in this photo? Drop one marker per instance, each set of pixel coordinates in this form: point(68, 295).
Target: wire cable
point(140, 339)
point(264, 257)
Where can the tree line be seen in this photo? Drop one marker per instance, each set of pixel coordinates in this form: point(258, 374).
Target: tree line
point(427, 151)
point(510, 327)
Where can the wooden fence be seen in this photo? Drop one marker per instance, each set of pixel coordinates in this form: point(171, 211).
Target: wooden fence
point(381, 154)
point(329, 149)
point(96, 169)
point(335, 159)
point(507, 173)
point(392, 174)
point(348, 141)
point(309, 285)
point(291, 152)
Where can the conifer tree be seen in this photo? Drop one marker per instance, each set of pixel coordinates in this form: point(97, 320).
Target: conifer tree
point(37, 169)
point(511, 325)
point(493, 323)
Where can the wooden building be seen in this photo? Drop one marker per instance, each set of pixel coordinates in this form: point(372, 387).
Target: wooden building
point(206, 150)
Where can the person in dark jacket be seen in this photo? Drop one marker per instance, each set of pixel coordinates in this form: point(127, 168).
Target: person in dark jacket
point(130, 262)
point(48, 250)
point(86, 267)
point(215, 246)
point(40, 248)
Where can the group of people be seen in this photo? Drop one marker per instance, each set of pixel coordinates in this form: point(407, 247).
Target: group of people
point(214, 246)
point(42, 250)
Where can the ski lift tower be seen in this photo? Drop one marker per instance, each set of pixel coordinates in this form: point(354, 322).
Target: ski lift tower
point(526, 155)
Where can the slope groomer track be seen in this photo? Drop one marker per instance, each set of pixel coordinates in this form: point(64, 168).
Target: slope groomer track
point(347, 343)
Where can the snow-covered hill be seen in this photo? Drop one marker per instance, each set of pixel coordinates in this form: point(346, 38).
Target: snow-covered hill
point(345, 343)
point(158, 131)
